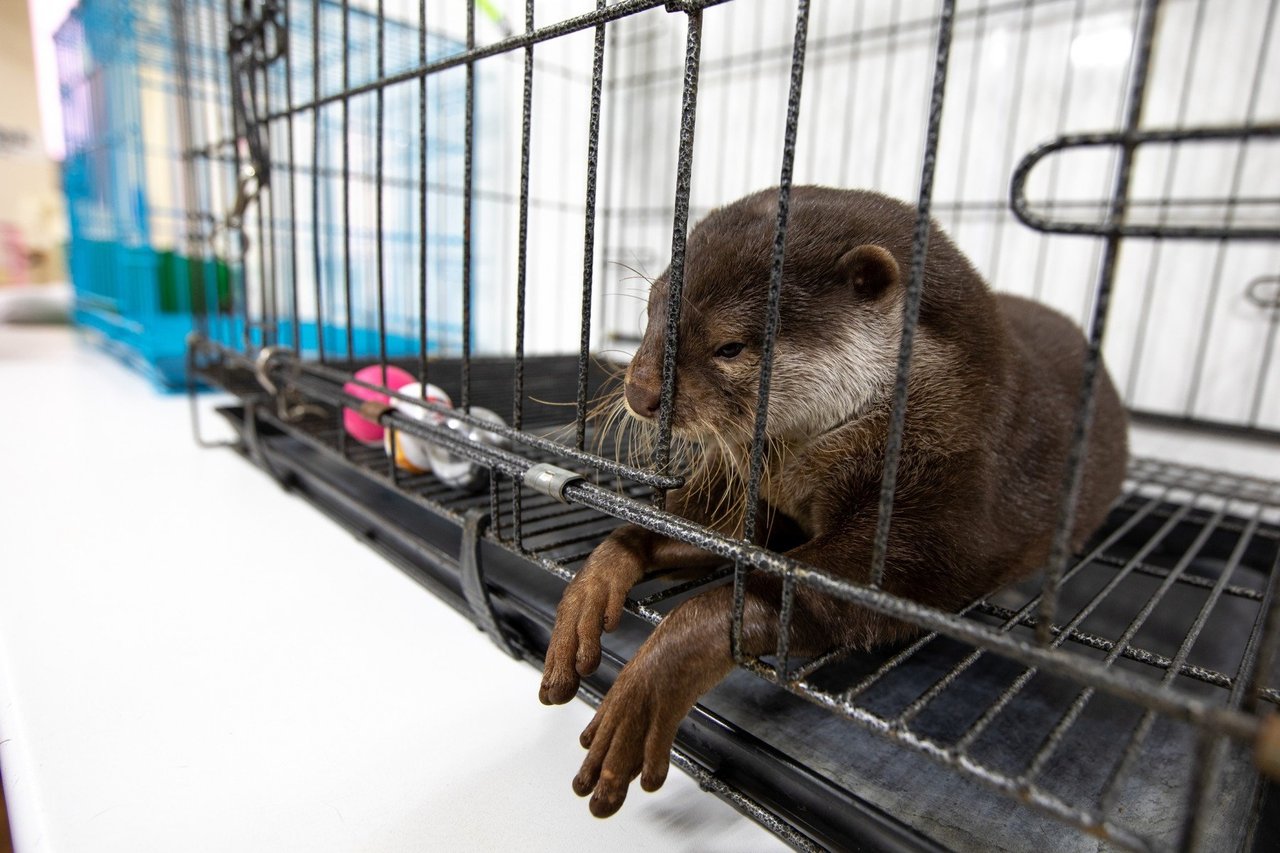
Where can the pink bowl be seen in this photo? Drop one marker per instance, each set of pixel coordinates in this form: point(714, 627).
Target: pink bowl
point(361, 428)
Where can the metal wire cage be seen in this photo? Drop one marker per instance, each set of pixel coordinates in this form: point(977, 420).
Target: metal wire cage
point(129, 116)
point(510, 176)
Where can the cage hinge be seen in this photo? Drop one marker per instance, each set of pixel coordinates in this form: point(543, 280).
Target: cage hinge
point(474, 524)
point(550, 480)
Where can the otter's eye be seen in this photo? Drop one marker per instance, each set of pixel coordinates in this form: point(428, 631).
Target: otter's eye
point(732, 350)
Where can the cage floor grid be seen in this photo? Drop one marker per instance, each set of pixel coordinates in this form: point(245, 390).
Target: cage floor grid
point(1171, 589)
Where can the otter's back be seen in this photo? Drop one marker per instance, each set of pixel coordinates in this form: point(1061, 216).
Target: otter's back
point(1045, 375)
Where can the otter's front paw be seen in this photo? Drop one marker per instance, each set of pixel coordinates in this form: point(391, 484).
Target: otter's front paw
point(631, 735)
point(592, 603)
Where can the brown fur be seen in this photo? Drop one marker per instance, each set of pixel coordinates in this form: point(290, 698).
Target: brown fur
point(992, 396)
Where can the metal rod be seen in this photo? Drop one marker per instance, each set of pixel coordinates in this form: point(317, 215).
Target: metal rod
point(379, 158)
point(1171, 169)
point(679, 236)
point(522, 256)
point(422, 202)
point(467, 171)
point(346, 172)
point(589, 229)
point(1070, 491)
point(1237, 178)
point(915, 284)
point(293, 194)
point(317, 267)
point(773, 311)
point(342, 377)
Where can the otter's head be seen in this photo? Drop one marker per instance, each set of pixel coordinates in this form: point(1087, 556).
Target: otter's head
point(836, 348)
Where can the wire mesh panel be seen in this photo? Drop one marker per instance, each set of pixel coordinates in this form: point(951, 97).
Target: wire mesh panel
point(485, 185)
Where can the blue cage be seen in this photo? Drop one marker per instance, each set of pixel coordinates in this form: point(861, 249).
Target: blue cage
point(153, 255)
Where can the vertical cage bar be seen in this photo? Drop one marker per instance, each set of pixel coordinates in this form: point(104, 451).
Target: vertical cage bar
point(1061, 550)
point(522, 258)
point(589, 230)
point(205, 129)
point(267, 250)
point(380, 249)
point(468, 154)
point(263, 321)
point(422, 201)
point(315, 178)
point(1171, 169)
point(379, 156)
point(773, 313)
point(1237, 178)
point(915, 284)
point(610, 195)
point(679, 236)
point(1264, 368)
point(239, 239)
point(346, 207)
point(291, 157)
point(346, 174)
point(189, 198)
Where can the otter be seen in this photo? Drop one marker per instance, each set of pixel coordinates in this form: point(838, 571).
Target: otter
point(992, 393)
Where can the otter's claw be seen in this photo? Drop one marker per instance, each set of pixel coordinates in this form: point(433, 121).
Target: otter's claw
point(631, 735)
point(591, 604)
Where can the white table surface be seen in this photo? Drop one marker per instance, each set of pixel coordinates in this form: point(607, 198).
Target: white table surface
point(191, 660)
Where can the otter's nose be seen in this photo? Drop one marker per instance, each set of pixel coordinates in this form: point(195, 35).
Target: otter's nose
point(643, 397)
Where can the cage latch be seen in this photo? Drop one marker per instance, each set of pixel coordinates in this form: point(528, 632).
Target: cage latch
point(474, 523)
point(550, 480)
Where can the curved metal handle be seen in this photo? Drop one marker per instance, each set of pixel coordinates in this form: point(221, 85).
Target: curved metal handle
point(1021, 208)
point(1254, 291)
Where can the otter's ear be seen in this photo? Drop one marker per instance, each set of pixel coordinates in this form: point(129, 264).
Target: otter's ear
point(869, 270)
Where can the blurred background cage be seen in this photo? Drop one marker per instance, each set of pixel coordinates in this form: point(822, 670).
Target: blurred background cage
point(128, 115)
point(478, 192)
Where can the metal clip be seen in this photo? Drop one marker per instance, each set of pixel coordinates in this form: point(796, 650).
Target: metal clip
point(474, 523)
point(550, 480)
point(288, 407)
